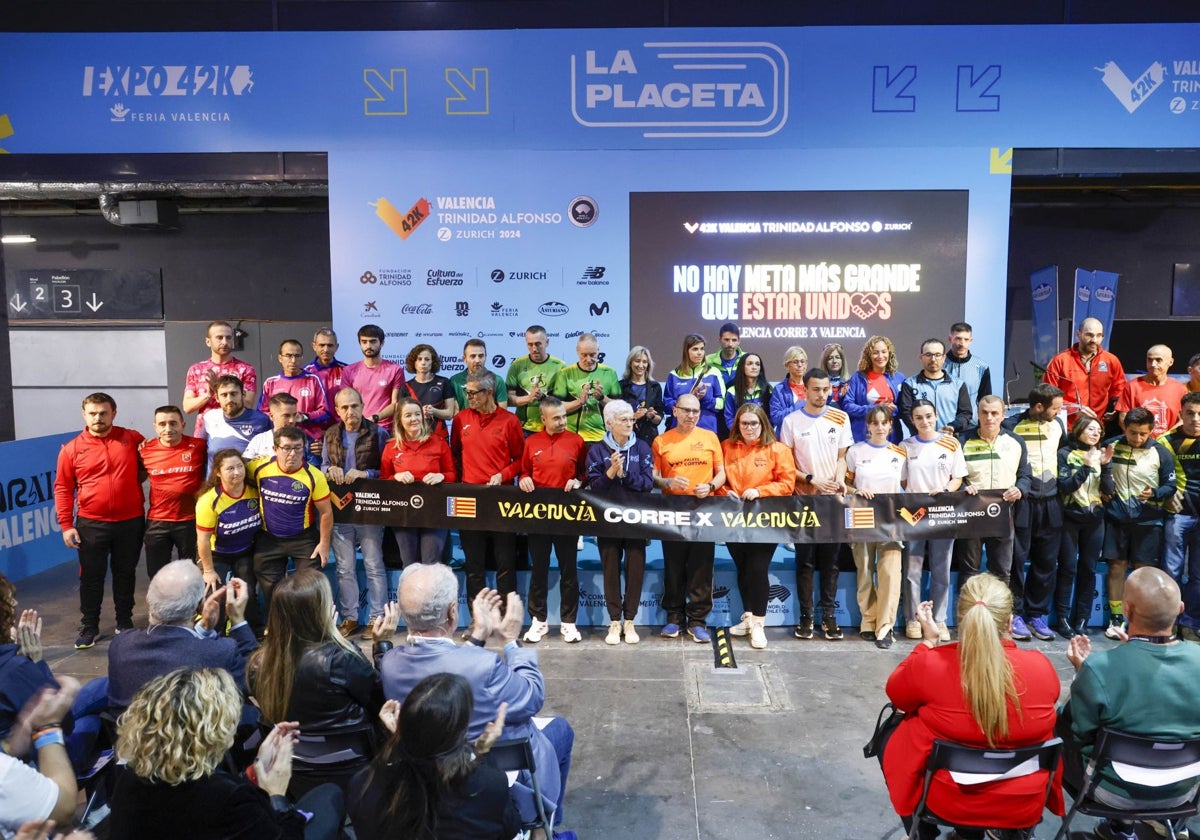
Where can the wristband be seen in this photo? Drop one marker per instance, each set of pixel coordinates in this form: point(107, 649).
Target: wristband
point(46, 737)
point(477, 642)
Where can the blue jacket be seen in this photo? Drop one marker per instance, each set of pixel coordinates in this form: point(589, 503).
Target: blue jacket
point(783, 402)
point(973, 373)
point(734, 401)
point(710, 405)
point(855, 403)
point(639, 468)
point(948, 395)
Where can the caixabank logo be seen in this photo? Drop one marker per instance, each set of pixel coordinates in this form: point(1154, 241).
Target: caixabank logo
point(682, 88)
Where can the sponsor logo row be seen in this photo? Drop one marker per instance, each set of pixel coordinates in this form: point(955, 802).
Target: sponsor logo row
point(592, 275)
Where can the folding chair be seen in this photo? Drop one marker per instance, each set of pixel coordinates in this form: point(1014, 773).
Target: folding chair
point(1140, 761)
point(972, 766)
point(515, 755)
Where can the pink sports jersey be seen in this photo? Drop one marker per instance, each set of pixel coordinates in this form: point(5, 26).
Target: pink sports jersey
point(310, 399)
point(376, 385)
point(197, 381)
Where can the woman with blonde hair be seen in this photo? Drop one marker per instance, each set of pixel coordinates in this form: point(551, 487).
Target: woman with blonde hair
point(982, 691)
point(307, 672)
point(756, 466)
point(876, 382)
point(173, 739)
point(788, 394)
point(643, 392)
point(415, 454)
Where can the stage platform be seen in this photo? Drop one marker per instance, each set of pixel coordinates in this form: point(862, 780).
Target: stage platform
point(666, 746)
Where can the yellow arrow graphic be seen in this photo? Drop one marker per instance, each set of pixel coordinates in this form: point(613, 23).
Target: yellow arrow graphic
point(6, 130)
point(1000, 163)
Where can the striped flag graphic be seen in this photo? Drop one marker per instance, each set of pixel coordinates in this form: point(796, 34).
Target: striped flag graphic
point(460, 506)
point(860, 517)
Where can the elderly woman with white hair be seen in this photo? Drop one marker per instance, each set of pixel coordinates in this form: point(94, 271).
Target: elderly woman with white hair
point(621, 461)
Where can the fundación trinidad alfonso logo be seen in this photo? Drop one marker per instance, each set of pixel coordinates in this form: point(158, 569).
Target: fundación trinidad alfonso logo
point(1132, 94)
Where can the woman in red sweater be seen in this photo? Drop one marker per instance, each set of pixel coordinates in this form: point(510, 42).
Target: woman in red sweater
point(755, 465)
point(982, 691)
point(415, 454)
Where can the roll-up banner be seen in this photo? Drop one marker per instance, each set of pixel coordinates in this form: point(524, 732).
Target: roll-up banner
point(1043, 285)
point(794, 519)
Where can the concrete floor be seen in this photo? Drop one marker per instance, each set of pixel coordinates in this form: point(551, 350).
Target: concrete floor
point(666, 746)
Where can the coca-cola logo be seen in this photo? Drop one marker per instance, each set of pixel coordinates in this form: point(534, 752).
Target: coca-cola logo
point(417, 309)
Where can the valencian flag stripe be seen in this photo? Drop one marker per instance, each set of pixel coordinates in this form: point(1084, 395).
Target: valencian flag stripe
point(796, 519)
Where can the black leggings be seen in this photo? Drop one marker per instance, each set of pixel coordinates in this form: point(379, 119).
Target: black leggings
point(752, 560)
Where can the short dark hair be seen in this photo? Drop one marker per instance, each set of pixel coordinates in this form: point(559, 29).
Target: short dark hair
point(1043, 394)
point(287, 433)
point(535, 328)
point(1190, 398)
point(211, 324)
point(99, 398)
point(1139, 417)
point(814, 373)
point(169, 409)
point(929, 341)
point(371, 331)
point(230, 379)
point(288, 341)
point(961, 326)
point(729, 327)
point(474, 342)
point(282, 398)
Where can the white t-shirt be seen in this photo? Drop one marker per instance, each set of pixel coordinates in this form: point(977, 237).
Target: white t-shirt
point(932, 463)
point(816, 440)
point(261, 445)
point(877, 469)
point(25, 794)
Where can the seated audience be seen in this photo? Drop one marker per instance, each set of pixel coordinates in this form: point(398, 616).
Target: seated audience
point(428, 781)
point(46, 790)
point(307, 672)
point(982, 691)
point(1145, 686)
point(172, 783)
point(429, 608)
point(23, 672)
point(174, 638)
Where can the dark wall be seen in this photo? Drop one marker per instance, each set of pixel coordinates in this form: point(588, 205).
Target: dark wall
point(255, 266)
point(1140, 243)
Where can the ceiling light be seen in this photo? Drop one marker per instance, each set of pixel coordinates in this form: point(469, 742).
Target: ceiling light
point(17, 239)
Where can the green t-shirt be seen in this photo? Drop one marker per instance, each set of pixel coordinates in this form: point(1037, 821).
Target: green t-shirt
point(588, 422)
point(521, 376)
point(459, 381)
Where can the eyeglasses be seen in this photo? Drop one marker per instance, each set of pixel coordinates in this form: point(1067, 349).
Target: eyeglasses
point(471, 393)
point(750, 424)
point(933, 355)
point(291, 449)
point(291, 355)
point(688, 410)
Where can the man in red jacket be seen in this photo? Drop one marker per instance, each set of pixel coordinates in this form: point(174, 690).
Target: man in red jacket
point(175, 463)
point(1091, 378)
point(99, 471)
point(487, 442)
point(553, 457)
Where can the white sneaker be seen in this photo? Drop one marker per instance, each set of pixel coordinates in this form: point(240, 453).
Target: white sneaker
point(1116, 626)
point(913, 630)
point(537, 629)
point(614, 633)
point(742, 628)
point(631, 636)
point(943, 632)
point(758, 637)
point(570, 633)
point(579, 544)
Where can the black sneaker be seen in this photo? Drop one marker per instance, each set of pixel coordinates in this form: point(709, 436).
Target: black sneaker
point(885, 641)
point(87, 638)
point(804, 630)
point(867, 635)
point(833, 633)
point(124, 628)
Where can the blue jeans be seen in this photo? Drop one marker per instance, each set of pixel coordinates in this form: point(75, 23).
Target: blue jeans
point(370, 538)
point(1182, 558)
point(940, 552)
point(562, 737)
point(421, 545)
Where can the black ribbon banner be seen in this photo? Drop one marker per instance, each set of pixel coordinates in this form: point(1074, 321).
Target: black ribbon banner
point(794, 519)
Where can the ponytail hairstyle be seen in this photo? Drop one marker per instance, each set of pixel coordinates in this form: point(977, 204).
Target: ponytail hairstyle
point(984, 616)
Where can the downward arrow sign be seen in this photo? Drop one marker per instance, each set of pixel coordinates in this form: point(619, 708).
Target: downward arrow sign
point(16, 303)
point(94, 304)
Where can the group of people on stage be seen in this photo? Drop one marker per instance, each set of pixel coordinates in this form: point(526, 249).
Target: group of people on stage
point(714, 426)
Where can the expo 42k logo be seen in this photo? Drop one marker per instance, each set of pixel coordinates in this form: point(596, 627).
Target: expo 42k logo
point(1133, 93)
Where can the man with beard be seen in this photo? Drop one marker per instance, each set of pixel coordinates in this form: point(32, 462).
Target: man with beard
point(379, 381)
point(1091, 378)
point(475, 358)
point(175, 464)
point(200, 389)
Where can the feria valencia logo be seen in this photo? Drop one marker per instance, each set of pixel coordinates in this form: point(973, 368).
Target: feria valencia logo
point(168, 80)
point(553, 308)
point(683, 88)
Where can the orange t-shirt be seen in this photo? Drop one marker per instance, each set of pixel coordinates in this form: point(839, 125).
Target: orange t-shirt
point(769, 469)
point(696, 457)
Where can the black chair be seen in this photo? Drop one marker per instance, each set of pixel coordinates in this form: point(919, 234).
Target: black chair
point(987, 764)
point(516, 755)
point(1142, 761)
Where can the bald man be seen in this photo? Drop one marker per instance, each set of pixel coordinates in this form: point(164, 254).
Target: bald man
point(1145, 686)
point(1091, 378)
point(1156, 391)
